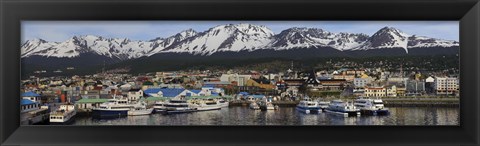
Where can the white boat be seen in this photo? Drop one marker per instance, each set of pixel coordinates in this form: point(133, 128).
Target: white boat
point(342, 108)
point(222, 102)
point(178, 106)
point(308, 106)
point(159, 107)
point(113, 108)
point(264, 105)
point(371, 106)
point(139, 109)
point(65, 114)
point(323, 105)
point(205, 104)
point(254, 106)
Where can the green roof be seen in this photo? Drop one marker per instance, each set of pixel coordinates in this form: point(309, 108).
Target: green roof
point(92, 100)
point(156, 98)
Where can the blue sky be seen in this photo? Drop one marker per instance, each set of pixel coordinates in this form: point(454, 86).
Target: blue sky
point(146, 30)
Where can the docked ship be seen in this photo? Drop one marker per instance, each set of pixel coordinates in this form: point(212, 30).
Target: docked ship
point(371, 107)
point(342, 108)
point(308, 106)
point(65, 114)
point(206, 104)
point(178, 106)
point(113, 108)
point(139, 109)
point(159, 107)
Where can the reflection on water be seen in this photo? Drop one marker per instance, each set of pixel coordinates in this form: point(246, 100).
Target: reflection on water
point(287, 116)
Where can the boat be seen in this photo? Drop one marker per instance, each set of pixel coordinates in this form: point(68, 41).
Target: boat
point(178, 106)
point(254, 106)
point(65, 114)
point(113, 108)
point(206, 104)
point(264, 105)
point(222, 102)
point(371, 107)
point(323, 105)
point(342, 108)
point(308, 106)
point(140, 109)
point(159, 107)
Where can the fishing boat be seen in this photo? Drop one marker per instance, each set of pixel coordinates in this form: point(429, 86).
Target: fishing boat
point(254, 106)
point(308, 106)
point(342, 108)
point(113, 108)
point(371, 107)
point(206, 105)
point(159, 107)
point(140, 109)
point(65, 114)
point(178, 106)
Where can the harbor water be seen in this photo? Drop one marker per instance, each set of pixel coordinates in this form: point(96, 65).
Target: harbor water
point(238, 115)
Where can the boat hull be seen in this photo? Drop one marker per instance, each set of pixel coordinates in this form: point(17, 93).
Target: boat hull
point(309, 110)
point(381, 112)
point(68, 122)
point(109, 113)
point(343, 112)
point(140, 112)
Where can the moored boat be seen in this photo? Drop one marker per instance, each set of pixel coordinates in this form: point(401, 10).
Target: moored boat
point(206, 104)
point(323, 105)
point(113, 108)
point(254, 106)
point(140, 109)
point(308, 106)
point(342, 108)
point(222, 102)
point(159, 107)
point(178, 106)
point(265, 105)
point(65, 114)
point(371, 107)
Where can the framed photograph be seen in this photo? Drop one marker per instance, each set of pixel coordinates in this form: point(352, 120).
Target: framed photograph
point(239, 72)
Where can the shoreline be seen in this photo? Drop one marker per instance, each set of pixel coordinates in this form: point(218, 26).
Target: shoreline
point(388, 102)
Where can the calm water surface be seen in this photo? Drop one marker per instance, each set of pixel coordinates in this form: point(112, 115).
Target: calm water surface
point(287, 116)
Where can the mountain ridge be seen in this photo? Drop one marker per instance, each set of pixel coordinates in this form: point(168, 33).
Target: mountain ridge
point(229, 38)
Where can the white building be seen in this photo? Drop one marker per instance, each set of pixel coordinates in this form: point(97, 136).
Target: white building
point(240, 79)
point(361, 82)
point(134, 94)
point(446, 85)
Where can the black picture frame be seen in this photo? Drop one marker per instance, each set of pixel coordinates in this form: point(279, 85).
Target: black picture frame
point(14, 11)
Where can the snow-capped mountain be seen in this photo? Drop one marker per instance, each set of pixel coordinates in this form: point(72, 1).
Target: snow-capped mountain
point(225, 38)
point(313, 37)
point(230, 38)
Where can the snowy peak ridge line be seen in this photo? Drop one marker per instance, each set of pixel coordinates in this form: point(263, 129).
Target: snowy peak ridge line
point(230, 37)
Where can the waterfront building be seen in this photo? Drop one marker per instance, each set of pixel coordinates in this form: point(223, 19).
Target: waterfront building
point(375, 92)
point(134, 94)
point(333, 84)
point(415, 87)
point(27, 105)
point(446, 85)
point(362, 82)
point(32, 96)
point(240, 79)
